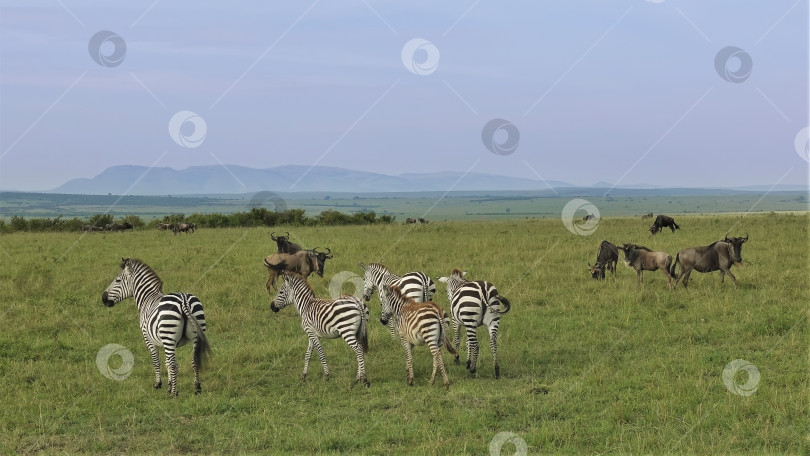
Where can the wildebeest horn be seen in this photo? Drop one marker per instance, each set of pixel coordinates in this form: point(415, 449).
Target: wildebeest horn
point(273, 237)
point(746, 237)
point(328, 252)
point(288, 234)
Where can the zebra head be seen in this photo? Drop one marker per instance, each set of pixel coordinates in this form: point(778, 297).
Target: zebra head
point(368, 282)
point(391, 295)
point(284, 295)
point(121, 287)
point(455, 280)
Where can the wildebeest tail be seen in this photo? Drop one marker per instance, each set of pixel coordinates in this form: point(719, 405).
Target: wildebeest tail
point(674, 264)
point(203, 347)
point(276, 267)
point(446, 334)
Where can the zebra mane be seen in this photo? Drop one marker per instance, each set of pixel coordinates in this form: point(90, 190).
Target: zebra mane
point(379, 265)
point(457, 272)
point(300, 278)
point(138, 264)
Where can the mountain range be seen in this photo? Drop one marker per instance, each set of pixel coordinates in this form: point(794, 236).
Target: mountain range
point(234, 179)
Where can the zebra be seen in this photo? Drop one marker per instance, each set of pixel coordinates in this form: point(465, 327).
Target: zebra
point(418, 323)
point(164, 318)
point(346, 317)
point(475, 304)
point(415, 285)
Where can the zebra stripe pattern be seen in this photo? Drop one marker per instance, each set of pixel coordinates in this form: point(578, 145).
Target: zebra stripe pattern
point(415, 285)
point(167, 320)
point(345, 317)
point(418, 323)
point(475, 304)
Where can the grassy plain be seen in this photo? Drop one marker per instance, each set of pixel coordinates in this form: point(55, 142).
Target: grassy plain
point(587, 367)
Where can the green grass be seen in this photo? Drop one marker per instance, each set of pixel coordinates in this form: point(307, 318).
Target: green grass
point(587, 367)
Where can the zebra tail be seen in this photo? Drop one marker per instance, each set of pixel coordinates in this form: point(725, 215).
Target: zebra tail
point(445, 334)
point(505, 303)
point(204, 350)
point(362, 331)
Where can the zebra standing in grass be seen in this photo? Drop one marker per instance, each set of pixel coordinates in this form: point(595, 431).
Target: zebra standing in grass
point(345, 317)
point(415, 285)
point(167, 320)
point(474, 304)
point(418, 323)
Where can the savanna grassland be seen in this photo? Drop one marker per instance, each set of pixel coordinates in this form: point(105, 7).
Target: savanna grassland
point(587, 367)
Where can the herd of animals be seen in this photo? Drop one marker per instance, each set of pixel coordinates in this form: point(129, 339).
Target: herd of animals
point(406, 301)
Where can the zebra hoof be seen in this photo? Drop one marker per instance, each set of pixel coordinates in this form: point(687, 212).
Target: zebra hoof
point(497, 372)
point(410, 382)
point(158, 385)
point(468, 366)
point(456, 360)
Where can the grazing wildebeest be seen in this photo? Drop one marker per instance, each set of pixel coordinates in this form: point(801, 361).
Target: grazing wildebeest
point(113, 227)
point(165, 226)
point(663, 221)
point(608, 256)
point(92, 228)
point(647, 215)
point(421, 220)
point(643, 259)
point(184, 228)
point(126, 226)
point(301, 262)
point(410, 220)
point(720, 255)
point(321, 258)
point(284, 244)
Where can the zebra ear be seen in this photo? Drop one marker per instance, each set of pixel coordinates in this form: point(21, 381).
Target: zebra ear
point(443, 279)
point(124, 262)
point(362, 266)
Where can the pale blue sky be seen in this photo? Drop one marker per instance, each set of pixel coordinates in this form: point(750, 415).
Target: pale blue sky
point(620, 91)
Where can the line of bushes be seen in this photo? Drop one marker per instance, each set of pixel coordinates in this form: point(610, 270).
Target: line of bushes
point(255, 217)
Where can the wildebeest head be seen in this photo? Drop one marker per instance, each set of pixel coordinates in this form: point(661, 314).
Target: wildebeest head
point(321, 258)
point(597, 271)
point(284, 244)
point(654, 229)
point(736, 246)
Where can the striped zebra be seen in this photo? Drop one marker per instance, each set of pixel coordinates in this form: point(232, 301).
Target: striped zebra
point(345, 317)
point(167, 320)
point(418, 323)
point(475, 304)
point(415, 285)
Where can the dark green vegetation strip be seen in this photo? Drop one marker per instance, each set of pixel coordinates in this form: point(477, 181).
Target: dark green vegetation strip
point(587, 367)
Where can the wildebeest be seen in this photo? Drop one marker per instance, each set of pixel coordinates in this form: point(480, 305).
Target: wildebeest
point(643, 259)
point(588, 217)
point(165, 226)
point(302, 262)
point(92, 228)
point(607, 256)
point(321, 258)
point(410, 220)
point(720, 255)
point(663, 221)
point(184, 227)
point(284, 245)
point(421, 220)
point(647, 215)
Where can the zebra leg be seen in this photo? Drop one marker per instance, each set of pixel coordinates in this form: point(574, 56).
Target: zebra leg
point(306, 360)
point(392, 325)
point(493, 345)
point(361, 362)
point(155, 362)
point(171, 366)
point(322, 357)
point(457, 339)
point(438, 361)
point(408, 361)
point(472, 352)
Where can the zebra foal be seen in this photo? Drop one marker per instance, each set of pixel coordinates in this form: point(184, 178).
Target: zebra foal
point(166, 320)
point(475, 304)
point(415, 285)
point(345, 317)
point(418, 323)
